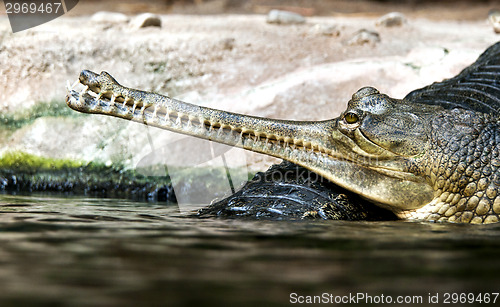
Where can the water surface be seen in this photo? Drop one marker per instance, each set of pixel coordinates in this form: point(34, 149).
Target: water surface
point(60, 250)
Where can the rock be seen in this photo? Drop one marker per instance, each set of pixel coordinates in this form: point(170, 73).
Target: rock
point(145, 20)
point(284, 17)
point(228, 43)
point(327, 30)
point(109, 17)
point(364, 36)
point(494, 18)
point(393, 19)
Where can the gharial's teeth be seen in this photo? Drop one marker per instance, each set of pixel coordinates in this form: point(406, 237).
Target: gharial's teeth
point(75, 83)
point(154, 112)
point(112, 100)
point(94, 94)
point(86, 87)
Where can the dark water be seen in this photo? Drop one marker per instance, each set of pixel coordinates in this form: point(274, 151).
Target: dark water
point(100, 252)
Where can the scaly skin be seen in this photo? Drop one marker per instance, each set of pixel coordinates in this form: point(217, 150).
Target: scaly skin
point(462, 162)
point(420, 161)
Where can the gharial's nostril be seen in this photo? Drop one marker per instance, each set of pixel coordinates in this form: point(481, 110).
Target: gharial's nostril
point(87, 76)
point(90, 79)
point(364, 92)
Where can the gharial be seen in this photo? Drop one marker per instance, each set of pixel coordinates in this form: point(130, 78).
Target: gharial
point(433, 155)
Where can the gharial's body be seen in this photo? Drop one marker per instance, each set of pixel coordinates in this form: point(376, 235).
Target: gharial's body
point(435, 155)
point(461, 162)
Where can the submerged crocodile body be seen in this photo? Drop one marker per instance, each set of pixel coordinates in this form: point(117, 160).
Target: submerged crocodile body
point(287, 191)
point(434, 155)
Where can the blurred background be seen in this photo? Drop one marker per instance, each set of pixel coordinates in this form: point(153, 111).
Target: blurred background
point(432, 9)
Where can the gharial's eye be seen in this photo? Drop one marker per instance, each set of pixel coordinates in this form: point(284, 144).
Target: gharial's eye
point(351, 117)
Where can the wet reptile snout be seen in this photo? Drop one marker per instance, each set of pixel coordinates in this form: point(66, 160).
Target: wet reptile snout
point(91, 79)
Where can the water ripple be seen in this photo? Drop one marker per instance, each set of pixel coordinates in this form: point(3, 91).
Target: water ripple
point(85, 251)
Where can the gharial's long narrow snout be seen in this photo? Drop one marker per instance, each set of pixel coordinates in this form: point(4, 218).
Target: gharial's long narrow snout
point(285, 139)
point(317, 145)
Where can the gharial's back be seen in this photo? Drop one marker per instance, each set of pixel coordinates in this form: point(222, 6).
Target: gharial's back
point(476, 88)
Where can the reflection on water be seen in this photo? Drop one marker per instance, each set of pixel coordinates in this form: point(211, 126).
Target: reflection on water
point(81, 251)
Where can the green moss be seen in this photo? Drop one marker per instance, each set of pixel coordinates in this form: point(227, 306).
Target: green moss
point(23, 162)
point(27, 162)
point(23, 172)
point(27, 116)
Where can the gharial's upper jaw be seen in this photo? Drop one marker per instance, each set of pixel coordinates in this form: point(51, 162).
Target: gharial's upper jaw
point(90, 79)
point(98, 83)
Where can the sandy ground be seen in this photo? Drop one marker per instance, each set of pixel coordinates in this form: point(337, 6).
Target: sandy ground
point(233, 62)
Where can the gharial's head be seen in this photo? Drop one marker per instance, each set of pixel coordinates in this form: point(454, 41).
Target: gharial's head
point(376, 144)
point(397, 127)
